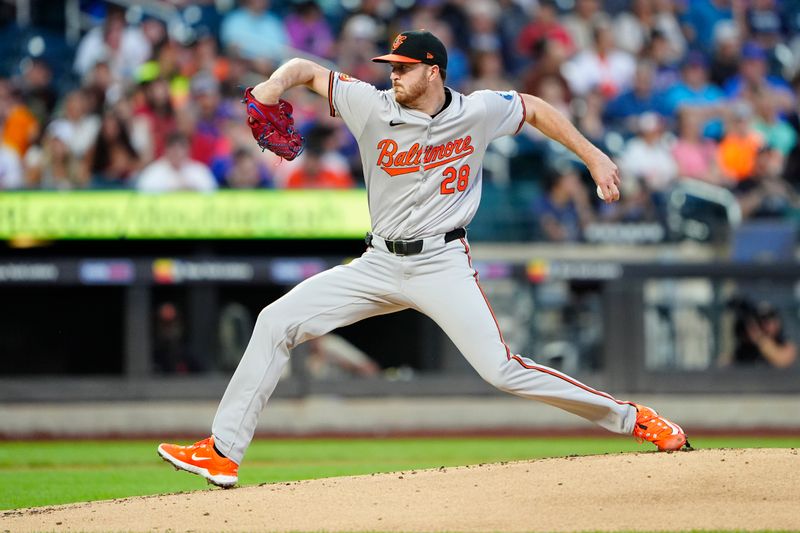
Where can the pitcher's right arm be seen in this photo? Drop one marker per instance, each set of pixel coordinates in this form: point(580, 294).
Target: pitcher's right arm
point(291, 74)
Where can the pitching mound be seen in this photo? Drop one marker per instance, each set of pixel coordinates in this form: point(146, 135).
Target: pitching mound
point(704, 489)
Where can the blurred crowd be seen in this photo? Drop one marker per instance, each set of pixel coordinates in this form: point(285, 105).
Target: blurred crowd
point(675, 90)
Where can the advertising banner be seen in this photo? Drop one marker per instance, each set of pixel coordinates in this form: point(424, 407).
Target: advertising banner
point(221, 215)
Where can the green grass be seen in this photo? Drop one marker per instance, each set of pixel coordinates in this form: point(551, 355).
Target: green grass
point(54, 472)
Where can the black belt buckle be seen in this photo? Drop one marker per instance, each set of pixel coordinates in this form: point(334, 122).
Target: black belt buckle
point(415, 247)
point(404, 247)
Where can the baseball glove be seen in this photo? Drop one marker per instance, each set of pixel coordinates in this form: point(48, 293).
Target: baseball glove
point(273, 126)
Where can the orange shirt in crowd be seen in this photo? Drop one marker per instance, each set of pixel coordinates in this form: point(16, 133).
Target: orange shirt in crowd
point(737, 154)
point(324, 178)
point(20, 129)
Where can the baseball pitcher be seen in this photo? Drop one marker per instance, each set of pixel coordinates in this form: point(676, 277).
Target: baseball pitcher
point(422, 146)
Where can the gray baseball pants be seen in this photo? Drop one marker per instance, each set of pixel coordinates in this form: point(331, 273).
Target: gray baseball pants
point(439, 282)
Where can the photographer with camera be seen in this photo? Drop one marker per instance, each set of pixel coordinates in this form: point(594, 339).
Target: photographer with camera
point(759, 337)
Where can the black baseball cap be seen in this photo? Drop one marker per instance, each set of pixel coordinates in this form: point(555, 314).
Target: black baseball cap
point(418, 46)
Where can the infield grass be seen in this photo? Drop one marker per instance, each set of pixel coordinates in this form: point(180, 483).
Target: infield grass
point(54, 472)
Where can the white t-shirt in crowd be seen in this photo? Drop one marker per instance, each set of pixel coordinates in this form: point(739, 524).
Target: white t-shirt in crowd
point(10, 169)
point(161, 176)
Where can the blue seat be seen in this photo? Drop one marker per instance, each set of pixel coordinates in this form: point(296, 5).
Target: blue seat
point(768, 241)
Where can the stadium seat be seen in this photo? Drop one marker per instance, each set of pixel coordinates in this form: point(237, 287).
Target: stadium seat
point(767, 241)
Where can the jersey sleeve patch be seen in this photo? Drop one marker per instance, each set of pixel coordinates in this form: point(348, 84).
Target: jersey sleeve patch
point(502, 114)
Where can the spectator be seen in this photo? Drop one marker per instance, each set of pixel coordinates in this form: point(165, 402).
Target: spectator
point(123, 48)
point(726, 56)
point(775, 131)
point(154, 30)
point(18, 124)
point(332, 357)
point(701, 19)
point(254, 33)
point(695, 155)
point(513, 18)
point(206, 116)
point(487, 73)
point(647, 157)
point(10, 169)
point(740, 145)
point(624, 110)
point(172, 64)
point(319, 167)
point(452, 14)
point(759, 337)
point(170, 344)
point(764, 193)
point(564, 210)
point(308, 30)
point(101, 89)
point(765, 26)
point(753, 74)
point(548, 59)
point(632, 29)
point(589, 117)
point(581, 23)
point(601, 67)
point(544, 28)
point(175, 171)
point(153, 119)
point(242, 170)
point(484, 34)
point(207, 58)
point(84, 124)
point(668, 26)
point(53, 166)
point(112, 160)
point(356, 47)
point(36, 88)
point(666, 72)
point(557, 94)
point(695, 91)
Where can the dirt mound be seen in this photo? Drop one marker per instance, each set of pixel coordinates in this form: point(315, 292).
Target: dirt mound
point(704, 489)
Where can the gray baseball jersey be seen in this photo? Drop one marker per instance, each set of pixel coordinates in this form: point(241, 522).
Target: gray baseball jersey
point(423, 174)
point(423, 177)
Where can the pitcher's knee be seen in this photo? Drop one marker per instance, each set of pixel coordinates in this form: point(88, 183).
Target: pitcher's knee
point(270, 320)
point(496, 377)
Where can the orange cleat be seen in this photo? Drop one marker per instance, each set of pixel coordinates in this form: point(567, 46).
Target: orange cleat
point(200, 458)
point(667, 436)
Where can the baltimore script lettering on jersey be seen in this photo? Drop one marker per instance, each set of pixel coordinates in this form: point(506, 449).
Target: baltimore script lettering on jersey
point(396, 163)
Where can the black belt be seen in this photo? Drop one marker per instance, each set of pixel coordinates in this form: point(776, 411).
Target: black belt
point(415, 247)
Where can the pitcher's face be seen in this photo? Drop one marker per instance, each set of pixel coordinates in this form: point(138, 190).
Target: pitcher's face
point(410, 82)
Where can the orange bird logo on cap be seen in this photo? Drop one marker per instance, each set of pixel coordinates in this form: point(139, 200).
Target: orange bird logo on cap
point(398, 41)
